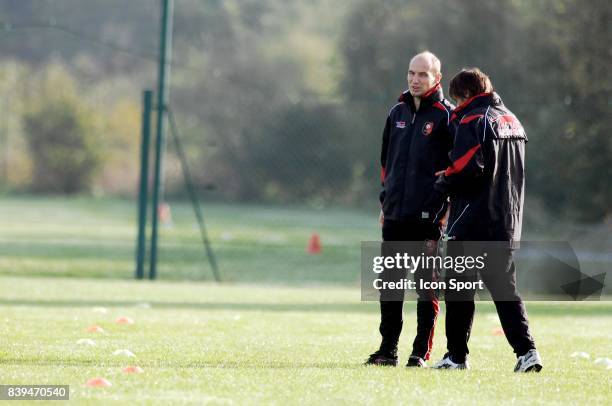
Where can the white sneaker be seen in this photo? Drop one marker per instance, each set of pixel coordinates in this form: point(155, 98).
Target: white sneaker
point(529, 362)
point(447, 363)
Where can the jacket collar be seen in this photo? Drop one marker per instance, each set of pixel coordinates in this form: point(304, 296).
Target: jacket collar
point(433, 95)
point(482, 99)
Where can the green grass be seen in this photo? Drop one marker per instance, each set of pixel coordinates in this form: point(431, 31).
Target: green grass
point(96, 238)
point(285, 328)
point(251, 344)
point(81, 237)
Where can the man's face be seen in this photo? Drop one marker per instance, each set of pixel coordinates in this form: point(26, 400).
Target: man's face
point(421, 77)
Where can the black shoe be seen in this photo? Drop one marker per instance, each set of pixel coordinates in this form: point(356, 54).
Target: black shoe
point(416, 362)
point(383, 358)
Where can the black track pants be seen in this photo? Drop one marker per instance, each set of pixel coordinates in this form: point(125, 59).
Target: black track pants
point(391, 304)
point(499, 277)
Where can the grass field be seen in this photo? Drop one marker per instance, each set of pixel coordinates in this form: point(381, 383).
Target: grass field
point(254, 243)
point(199, 342)
point(96, 238)
point(286, 327)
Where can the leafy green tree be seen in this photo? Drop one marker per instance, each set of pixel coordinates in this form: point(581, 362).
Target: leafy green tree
point(574, 154)
point(548, 59)
point(62, 137)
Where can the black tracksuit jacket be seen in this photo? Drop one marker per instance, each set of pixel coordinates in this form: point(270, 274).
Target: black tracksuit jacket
point(486, 180)
point(415, 146)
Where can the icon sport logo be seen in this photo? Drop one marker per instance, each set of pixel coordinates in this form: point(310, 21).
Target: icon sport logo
point(400, 124)
point(428, 128)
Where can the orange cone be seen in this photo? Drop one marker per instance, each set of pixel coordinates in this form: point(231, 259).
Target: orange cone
point(314, 244)
point(164, 214)
point(95, 329)
point(132, 370)
point(98, 383)
point(124, 320)
point(498, 331)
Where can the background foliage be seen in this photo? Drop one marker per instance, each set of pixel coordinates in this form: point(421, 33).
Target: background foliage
point(285, 102)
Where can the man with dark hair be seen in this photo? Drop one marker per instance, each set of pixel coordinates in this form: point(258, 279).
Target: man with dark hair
point(486, 183)
point(416, 142)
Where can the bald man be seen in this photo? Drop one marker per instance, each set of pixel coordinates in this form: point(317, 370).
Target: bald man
point(415, 145)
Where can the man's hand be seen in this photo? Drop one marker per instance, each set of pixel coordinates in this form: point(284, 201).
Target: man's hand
point(440, 172)
point(430, 247)
point(381, 217)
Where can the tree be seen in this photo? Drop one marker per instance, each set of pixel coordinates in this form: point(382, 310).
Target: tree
point(61, 135)
point(548, 59)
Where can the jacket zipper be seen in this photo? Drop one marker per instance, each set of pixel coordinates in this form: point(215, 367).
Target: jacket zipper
point(408, 154)
point(455, 222)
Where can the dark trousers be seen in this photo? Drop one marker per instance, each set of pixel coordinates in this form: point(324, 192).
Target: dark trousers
point(391, 304)
point(499, 277)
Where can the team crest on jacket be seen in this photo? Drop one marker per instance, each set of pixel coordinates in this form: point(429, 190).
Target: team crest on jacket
point(400, 124)
point(428, 128)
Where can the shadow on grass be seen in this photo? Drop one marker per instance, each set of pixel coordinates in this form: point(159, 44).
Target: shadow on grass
point(534, 308)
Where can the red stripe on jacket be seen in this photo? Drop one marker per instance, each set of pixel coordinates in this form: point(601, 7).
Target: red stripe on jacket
point(473, 117)
point(439, 105)
point(460, 163)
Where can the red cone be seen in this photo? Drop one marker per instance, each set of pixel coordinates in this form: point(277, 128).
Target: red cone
point(98, 383)
point(314, 244)
point(95, 329)
point(124, 320)
point(132, 369)
point(164, 214)
point(498, 331)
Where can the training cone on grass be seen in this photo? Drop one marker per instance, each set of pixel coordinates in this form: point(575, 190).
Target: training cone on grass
point(132, 369)
point(98, 383)
point(498, 331)
point(124, 352)
point(144, 305)
point(164, 214)
point(95, 329)
point(314, 244)
point(86, 341)
point(124, 320)
point(606, 362)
